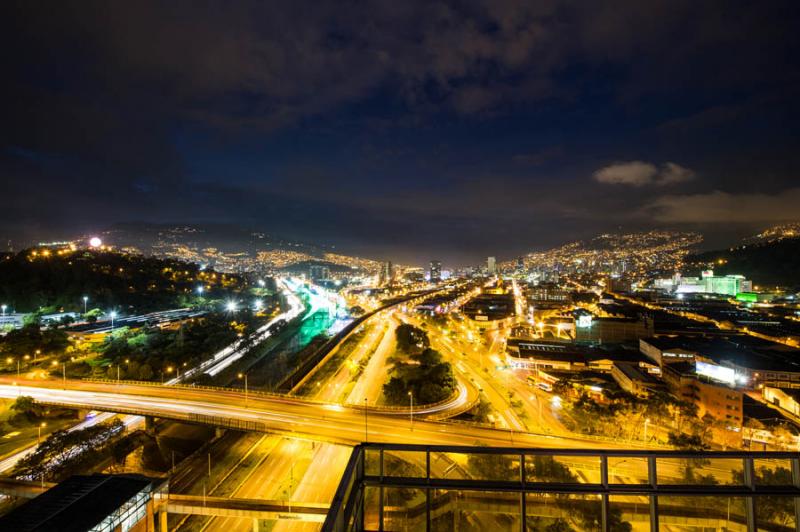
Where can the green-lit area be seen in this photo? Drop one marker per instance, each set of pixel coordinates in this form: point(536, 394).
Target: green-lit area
point(747, 297)
point(316, 324)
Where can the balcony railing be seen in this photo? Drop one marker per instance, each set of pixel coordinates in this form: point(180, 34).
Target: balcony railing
point(419, 487)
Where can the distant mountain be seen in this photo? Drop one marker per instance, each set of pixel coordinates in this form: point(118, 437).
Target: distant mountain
point(227, 248)
point(151, 238)
point(771, 261)
point(775, 233)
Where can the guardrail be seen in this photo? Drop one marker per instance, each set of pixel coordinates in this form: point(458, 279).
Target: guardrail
point(714, 489)
point(272, 395)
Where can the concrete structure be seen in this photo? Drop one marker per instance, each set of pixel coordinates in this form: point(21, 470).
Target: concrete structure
point(491, 265)
point(633, 379)
point(712, 398)
point(613, 330)
point(436, 271)
point(490, 307)
point(756, 362)
point(786, 398)
point(664, 350)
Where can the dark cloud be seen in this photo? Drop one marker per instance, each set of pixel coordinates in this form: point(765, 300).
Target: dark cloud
point(480, 121)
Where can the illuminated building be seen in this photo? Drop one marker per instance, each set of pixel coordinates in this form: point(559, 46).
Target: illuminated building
point(436, 271)
point(318, 272)
point(612, 330)
point(710, 389)
point(491, 265)
point(707, 283)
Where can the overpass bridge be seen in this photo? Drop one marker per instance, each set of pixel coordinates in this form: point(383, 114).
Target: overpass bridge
point(245, 508)
point(288, 416)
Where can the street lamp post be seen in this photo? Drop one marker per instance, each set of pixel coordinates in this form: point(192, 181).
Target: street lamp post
point(366, 429)
point(646, 422)
point(85, 301)
point(411, 409)
point(4, 307)
point(244, 376)
point(113, 315)
point(39, 438)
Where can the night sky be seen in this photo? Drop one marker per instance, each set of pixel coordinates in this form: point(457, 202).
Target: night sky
point(401, 129)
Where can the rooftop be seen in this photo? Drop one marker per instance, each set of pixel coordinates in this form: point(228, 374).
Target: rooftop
point(741, 350)
point(78, 504)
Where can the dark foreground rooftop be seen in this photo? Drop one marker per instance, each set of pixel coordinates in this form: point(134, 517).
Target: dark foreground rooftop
point(78, 504)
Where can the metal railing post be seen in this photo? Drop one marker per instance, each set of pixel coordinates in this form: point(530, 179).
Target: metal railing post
point(380, 492)
point(796, 484)
point(749, 501)
point(428, 489)
point(522, 495)
point(604, 496)
point(652, 478)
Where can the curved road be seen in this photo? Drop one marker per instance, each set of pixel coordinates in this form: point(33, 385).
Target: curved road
point(288, 416)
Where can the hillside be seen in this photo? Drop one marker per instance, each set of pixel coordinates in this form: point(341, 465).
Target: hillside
point(770, 263)
point(48, 279)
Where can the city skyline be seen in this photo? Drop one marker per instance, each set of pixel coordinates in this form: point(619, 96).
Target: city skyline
point(499, 128)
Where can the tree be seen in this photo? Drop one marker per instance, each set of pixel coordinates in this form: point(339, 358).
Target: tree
point(411, 339)
point(27, 407)
point(145, 372)
point(688, 442)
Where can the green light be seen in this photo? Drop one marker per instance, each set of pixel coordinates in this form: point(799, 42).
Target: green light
point(747, 297)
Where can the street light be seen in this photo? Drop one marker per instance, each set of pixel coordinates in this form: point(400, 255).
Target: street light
point(231, 306)
point(4, 307)
point(244, 376)
point(39, 438)
point(411, 408)
point(646, 422)
point(85, 301)
point(113, 316)
point(200, 290)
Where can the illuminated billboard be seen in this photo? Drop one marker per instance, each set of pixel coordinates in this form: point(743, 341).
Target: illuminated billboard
point(718, 373)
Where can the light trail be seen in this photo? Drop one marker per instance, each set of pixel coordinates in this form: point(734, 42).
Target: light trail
point(283, 415)
point(234, 352)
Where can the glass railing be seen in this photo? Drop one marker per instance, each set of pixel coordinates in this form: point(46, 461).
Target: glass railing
point(416, 487)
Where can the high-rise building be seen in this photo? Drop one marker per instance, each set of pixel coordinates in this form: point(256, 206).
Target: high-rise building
point(436, 271)
point(387, 273)
point(318, 272)
point(491, 265)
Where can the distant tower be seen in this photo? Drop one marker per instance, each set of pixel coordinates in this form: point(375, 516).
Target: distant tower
point(436, 271)
point(386, 273)
point(491, 265)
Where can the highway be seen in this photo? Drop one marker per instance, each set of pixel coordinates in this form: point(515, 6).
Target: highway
point(234, 352)
point(282, 415)
point(212, 366)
